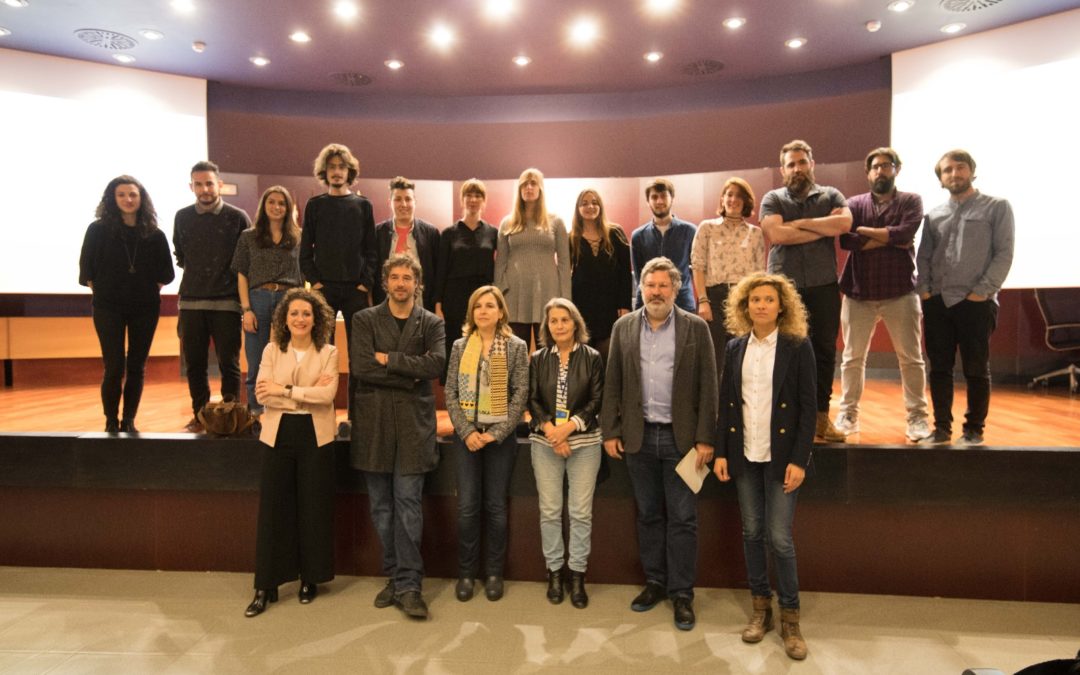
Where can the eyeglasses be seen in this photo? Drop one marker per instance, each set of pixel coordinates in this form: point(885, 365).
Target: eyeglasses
point(882, 166)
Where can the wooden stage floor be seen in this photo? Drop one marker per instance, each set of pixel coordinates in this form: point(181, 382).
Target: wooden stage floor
point(1019, 417)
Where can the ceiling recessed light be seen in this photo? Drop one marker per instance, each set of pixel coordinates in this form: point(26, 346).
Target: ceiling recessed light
point(500, 10)
point(198, 46)
point(522, 60)
point(4, 32)
point(951, 28)
point(394, 64)
point(661, 7)
point(795, 43)
point(584, 31)
point(873, 26)
point(442, 36)
point(16, 3)
point(345, 9)
point(653, 57)
point(151, 34)
point(260, 61)
point(124, 58)
point(735, 22)
point(300, 36)
point(185, 6)
point(900, 5)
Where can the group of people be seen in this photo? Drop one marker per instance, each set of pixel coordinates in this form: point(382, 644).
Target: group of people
point(751, 345)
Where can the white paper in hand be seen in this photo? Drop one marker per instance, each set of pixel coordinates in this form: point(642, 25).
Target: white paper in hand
point(687, 469)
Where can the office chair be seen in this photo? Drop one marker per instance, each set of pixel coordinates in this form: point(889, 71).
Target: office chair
point(1060, 308)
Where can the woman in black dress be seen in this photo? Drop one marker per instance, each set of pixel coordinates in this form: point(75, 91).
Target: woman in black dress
point(125, 261)
point(601, 282)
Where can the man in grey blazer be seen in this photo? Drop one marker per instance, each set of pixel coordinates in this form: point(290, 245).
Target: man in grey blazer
point(397, 349)
point(655, 423)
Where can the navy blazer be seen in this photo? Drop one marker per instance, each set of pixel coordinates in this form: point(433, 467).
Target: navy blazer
point(794, 409)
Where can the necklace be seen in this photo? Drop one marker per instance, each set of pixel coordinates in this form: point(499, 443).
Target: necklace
point(131, 256)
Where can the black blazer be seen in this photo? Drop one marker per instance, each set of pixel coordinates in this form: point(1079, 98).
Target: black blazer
point(794, 409)
point(427, 247)
point(584, 385)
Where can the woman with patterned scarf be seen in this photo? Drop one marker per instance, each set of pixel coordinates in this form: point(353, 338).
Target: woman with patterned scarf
point(487, 387)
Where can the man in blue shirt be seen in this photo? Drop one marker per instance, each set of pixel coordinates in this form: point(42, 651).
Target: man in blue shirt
point(667, 236)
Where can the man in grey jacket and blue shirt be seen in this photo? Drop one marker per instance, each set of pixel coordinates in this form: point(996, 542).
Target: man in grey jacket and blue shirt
point(964, 256)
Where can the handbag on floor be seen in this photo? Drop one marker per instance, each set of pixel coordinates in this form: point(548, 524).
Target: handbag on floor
point(228, 417)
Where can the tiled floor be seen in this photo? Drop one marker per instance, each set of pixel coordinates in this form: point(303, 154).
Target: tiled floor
point(105, 621)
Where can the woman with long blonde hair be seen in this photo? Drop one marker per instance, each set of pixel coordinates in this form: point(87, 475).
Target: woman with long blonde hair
point(532, 261)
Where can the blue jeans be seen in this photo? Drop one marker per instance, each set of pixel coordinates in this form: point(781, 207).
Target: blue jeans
point(768, 512)
point(666, 513)
point(483, 488)
point(398, 518)
point(263, 303)
point(580, 470)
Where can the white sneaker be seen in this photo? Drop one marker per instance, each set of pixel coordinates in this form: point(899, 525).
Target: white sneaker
point(918, 430)
point(846, 424)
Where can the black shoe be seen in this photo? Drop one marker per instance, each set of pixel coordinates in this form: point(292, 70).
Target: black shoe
point(464, 589)
point(971, 437)
point(578, 597)
point(308, 592)
point(939, 437)
point(112, 426)
point(385, 598)
point(647, 599)
point(684, 613)
point(412, 604)
point(493, 587)
point(128, 427)
point(555, 586)
point(194, 426)
point(258, 605)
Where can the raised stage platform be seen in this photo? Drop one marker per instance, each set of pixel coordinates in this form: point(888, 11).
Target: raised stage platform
point(998, 522)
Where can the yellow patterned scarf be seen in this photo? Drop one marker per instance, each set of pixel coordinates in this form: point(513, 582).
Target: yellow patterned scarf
point(484, 399)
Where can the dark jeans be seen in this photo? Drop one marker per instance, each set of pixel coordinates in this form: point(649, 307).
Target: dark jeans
point(967, 325)
point(111, 325)
point(296, 508)
point(344, 297)
point(197, 327)
point(263, 303)
point(398, 518)
point(717, 297)
point(767, 516)
point(823, 307)
point(666, 513)
point(483, 489)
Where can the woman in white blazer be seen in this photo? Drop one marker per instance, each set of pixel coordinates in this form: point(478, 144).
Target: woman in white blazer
point(297, 382)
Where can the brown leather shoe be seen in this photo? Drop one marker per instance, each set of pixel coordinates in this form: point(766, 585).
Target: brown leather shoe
point(761, 621)
point(825, 430)
point(794, 644)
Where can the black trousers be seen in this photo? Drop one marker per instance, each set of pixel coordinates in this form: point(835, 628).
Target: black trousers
point(197, 327)
point(344, 297)
point(112, 325)
point(295, 534)
point(967, 326)
point(823, 306)
point(717, 297)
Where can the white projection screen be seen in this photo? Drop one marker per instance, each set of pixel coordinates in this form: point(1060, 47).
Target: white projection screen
point(1010, 97)
point(71, 126)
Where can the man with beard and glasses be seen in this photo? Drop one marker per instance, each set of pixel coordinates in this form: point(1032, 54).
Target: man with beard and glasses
point(655, 423)
point(964, 256)
point(397, 348)
point(204, 238)
point(878, 283)
point(337, 244)
point(667, 236)
point(801, 221)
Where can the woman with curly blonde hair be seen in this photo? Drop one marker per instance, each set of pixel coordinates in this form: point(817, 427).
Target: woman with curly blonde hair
point(764, 437)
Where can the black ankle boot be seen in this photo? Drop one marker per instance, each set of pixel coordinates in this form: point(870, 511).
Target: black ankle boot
point(555, 586)
point(128, 426)
point(258, 605)
point(112, 426)
point(578, 597)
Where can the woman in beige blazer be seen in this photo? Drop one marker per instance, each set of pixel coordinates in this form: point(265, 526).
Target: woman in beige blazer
point(297, 382)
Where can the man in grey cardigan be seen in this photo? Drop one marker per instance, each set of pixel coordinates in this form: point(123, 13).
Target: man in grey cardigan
point(396, 350)
point(655, 423)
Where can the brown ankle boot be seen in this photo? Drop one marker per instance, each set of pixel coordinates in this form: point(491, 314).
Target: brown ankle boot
point(761, 621)
point(825, 430)
point(794, 644)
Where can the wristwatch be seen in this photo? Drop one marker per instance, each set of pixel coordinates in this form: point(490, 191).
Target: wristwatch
point(288, 390)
